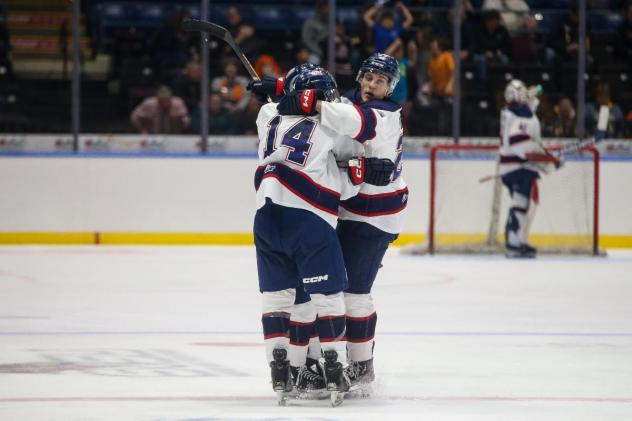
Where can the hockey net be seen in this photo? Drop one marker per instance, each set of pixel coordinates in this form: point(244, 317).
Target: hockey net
point(468, 215)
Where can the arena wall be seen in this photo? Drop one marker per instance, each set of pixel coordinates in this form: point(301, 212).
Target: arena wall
point(193, 200)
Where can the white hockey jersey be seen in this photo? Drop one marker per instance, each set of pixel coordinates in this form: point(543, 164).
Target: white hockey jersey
point(377, 132)
point(297, 167)
point(520, 135)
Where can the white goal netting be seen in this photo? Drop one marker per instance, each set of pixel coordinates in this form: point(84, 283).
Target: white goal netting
point(468, 216)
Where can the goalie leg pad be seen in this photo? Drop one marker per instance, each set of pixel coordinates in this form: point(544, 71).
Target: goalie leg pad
point(521, 186)
point(516, 219)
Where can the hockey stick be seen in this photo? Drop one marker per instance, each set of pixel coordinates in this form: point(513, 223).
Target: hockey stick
point(600, 134)
point(195, 25)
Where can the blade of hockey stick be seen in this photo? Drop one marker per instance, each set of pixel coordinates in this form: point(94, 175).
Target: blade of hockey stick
point(222, 33)
point(203, 26)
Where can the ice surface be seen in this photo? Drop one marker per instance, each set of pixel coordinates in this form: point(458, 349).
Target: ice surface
point(173, 333)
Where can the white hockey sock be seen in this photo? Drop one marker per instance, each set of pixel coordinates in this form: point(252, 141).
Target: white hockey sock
point(302, 325)
point(276, 308)
point(361, 320)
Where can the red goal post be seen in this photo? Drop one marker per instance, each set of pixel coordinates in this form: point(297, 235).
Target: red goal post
point(576, 184)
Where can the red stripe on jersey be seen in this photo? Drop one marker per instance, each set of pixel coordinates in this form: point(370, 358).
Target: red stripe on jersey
point(296, 192)
point(395, 193)
point(382, 213)
point(306, 177)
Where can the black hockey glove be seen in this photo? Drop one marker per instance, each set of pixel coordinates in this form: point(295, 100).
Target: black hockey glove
point(300, 102)
point(268, 87)
point(375, 171)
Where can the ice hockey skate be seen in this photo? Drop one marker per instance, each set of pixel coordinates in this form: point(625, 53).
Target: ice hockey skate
point(309, 381)
point(361, 377)
point(281, 375)
point(335, 377)
point(524, 251)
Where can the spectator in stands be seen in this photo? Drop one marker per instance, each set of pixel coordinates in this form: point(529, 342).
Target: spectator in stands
point(628, 126)
point(564, 40)
point(521, 26)
point(422, 17)
point(187, 84)
point(386, 28)
point(616, 120)
point(401, 92)
point(161, 114)
point(491, 43)
point(562, 121)
point(242, 32)
point(301, 55)
point(444, 27)
point(266, 65)
point(406, 87)
point(6, 68)
point(514, 14)
point(436, 94)
point(220, 120)
point(624, 38)
point(246, 121)
point(315, 30)
point(440, 70)
point(232, 87)
point(342, 51)
point(172, 45)
point(418, 52)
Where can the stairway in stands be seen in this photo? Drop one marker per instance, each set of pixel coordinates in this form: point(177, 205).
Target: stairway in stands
point(41, 38)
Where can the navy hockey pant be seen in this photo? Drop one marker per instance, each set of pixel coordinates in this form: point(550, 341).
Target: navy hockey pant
point(363, 248)
point(297, 249)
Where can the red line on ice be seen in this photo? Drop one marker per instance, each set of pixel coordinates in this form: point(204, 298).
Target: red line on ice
point(268, 397)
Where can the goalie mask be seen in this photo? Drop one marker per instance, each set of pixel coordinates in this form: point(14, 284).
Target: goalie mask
point(310, 76)
point(517, 92)
point(382, 64)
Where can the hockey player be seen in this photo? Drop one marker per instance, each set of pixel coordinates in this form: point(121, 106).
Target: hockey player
point(299, 187)
point(372, 219)
point(522, 159)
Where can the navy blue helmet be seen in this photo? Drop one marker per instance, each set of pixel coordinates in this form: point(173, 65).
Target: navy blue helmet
point(311, 76)
point(382, 64)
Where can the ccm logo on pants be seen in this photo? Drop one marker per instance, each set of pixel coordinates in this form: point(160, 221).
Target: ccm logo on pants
point(315, 279)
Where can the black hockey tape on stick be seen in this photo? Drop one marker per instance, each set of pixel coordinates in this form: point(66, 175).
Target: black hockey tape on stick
point(217, 31)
